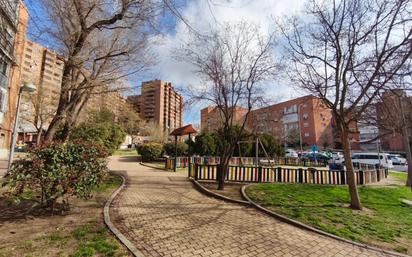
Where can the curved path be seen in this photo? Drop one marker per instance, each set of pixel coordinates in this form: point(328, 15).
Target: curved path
point(163, 215)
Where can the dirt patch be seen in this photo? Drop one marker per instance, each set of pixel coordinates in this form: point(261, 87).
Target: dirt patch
point(232, 190)
point(28, 231)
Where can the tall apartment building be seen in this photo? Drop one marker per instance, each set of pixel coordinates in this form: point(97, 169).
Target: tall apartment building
point(13, 27)
point(159, 103)
point(44, 68)
point(305, 117)
point(111, 101)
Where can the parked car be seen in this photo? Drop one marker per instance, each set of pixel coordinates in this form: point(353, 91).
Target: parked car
point(373, 158)
point(397, 159)
point(337, 157)
point(291, 153)
point(319, 157)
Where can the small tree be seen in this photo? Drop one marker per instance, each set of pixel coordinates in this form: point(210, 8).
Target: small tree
point(345, 52)
point(206, 144)
point(232, 62)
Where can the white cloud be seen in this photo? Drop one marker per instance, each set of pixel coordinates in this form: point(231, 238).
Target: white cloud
point(201, 16)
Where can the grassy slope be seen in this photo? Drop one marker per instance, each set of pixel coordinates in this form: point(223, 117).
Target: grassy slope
point(385, 222)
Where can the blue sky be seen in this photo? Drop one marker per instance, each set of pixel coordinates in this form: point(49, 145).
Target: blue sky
point(201, 15)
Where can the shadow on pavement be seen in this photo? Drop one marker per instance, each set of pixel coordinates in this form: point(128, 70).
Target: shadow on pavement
point(129, 159)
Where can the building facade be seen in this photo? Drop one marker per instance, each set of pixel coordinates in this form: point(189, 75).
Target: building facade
point(305, 118)
point(210, 118)
point(390, 121)
point(159, 103)
point(13, 27)
point(44, 68)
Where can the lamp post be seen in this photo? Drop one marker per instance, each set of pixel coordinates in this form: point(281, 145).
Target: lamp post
point(30, 88)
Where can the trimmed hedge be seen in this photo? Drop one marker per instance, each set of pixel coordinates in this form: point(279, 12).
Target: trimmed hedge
point(150, 151)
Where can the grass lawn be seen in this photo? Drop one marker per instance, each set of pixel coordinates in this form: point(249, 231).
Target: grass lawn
point(80, 232)
point(399, 175)
point(125, 152)
point(385, 221)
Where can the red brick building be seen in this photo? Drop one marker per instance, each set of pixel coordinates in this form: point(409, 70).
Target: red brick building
point(390, 120)
point(304, 117)
point(210, 118)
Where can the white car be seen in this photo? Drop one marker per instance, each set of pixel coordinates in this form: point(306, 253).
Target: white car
point(397, 159)
point(291, 153)
point(337, 157)
point(373, 159)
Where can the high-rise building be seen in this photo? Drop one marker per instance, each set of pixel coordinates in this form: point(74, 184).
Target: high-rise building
point(13, 27)
point(44, 68)
point(159, 103)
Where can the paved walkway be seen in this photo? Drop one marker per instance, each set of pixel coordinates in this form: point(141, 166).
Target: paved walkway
point(163, 215)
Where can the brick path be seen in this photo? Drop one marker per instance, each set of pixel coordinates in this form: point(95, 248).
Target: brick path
point(163, 215)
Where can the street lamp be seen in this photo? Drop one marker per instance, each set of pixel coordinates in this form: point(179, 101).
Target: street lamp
point(29, 88)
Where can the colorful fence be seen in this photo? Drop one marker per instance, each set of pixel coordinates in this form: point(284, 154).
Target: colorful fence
point(285, 175)
point(183, 162)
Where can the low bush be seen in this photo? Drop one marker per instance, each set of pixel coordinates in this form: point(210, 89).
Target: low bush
point(150, 151)
point(181, 149)
point(59, 170)
point(107, 134)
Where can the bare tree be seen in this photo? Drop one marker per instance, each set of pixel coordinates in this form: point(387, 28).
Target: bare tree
point(345, 52)
point(44, 109)
point(232, 63)
point(101, 42)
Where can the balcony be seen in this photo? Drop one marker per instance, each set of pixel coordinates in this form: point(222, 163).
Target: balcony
point(10, 9)
point(6, 44)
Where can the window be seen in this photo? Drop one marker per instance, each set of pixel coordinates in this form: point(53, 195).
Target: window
point(306, 124)
point(306, 134)
point(3, 100)
point(29, 50)
point(28, 56)
point(305, 116)
point(290, 109)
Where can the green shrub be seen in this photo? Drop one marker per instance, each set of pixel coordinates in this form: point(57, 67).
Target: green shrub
point(181, 149)
point(150, 151)
point(57, 170)
point(107, 134)
point(206, 144)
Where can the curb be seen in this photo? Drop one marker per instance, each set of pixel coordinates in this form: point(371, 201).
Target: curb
point(149, 166)
point(210, 193)
point(312, 229)
point(106, 212)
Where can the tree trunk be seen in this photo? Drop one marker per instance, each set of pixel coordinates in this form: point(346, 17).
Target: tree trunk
point(38, 140)
point(54, 125)
point(221, 172)
point(350, 175)
point(405, 134)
